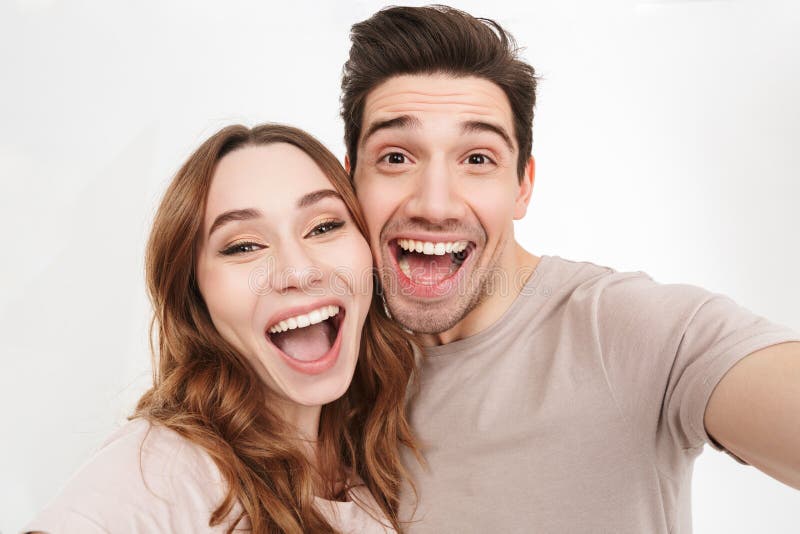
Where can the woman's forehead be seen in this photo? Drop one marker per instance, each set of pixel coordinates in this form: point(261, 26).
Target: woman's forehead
point(267, 177)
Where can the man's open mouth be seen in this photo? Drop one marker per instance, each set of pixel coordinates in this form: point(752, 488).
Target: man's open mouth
point(429, 263)
point(308, 337)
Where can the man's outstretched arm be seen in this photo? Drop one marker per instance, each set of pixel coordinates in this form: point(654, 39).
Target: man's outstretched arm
point(754, 412)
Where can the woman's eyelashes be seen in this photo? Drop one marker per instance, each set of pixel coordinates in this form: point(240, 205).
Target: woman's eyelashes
point(240, 248)
point(326, 227)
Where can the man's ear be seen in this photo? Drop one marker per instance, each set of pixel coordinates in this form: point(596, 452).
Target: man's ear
point(347, 163)
point(525, 190)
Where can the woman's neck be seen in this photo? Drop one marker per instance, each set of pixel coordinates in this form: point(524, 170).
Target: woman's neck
point(305, 421)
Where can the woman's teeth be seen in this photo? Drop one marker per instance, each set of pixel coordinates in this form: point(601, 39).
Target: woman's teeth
point(430, 248)
point(306, 319)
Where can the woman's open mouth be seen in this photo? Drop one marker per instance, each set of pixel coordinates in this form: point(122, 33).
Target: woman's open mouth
point(309, 342)
point(429, 268)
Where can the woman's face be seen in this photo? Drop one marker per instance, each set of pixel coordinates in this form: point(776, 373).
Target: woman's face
point(284, 271)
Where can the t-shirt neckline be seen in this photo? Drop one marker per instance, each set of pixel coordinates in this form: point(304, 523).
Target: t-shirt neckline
point(531, 288)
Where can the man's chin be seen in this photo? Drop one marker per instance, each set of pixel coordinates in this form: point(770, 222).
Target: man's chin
point(427, 317)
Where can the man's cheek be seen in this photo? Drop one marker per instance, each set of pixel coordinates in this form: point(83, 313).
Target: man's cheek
point(377, 215)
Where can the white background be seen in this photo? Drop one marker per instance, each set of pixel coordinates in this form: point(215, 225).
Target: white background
point(667, 138)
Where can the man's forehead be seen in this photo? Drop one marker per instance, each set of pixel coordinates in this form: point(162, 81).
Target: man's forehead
point(464, 97)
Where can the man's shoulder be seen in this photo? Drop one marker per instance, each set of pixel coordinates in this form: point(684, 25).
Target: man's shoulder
point(587, 276)
point(578, 269)
point(564, 275)
point(610, 295)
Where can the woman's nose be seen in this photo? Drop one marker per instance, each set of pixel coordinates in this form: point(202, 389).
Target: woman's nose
point(295, 268)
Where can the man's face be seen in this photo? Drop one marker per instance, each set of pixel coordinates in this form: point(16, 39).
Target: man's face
point(436, 177)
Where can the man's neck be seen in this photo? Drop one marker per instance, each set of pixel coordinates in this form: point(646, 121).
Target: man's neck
point(515, 273)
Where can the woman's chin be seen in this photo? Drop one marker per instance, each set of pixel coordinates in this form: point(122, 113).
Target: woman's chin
point(325, 392)
point(317, 398)
point(322, 388)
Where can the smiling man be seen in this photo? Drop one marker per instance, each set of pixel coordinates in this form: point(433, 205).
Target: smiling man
point(555, 395)
point(437, 171)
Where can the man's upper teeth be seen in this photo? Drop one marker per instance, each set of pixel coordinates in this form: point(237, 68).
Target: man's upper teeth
point(305, 319)
point(430, 248)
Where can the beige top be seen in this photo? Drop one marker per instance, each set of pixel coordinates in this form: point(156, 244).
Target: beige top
point(174, 488)
point(580, 410)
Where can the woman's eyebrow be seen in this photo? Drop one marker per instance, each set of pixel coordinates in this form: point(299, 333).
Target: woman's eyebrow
point(315, 196)
point(234, 215)
point(245, 214)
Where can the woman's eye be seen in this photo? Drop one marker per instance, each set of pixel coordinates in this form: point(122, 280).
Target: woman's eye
point(395, 158)
point(325, 227)
point(478, 159)
point(241, 248)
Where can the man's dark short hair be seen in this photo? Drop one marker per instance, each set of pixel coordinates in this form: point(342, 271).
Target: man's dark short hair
point(428, 40)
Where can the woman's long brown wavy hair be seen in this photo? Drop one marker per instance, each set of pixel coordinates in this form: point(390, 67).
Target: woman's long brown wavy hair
point(210, 394)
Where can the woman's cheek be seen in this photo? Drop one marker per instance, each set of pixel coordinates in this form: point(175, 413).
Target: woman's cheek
point(362, 266)
point(229, 295)
point(351, 262)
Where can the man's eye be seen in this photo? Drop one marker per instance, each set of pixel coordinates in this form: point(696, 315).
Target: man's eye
point(478, 159)
point(243, 247)
point(395, 158)
point(325, 227)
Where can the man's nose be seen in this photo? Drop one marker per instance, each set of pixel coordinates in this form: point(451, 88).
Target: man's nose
point(436, 197)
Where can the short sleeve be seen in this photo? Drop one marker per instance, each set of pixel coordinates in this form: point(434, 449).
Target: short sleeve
point(665, 348)
point(719, 335)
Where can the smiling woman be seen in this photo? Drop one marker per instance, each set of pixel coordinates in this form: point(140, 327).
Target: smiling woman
point(277, 399)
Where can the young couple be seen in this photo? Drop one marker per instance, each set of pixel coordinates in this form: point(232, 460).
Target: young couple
point(552, 396)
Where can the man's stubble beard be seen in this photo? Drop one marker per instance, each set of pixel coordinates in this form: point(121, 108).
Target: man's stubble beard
point(422, 318)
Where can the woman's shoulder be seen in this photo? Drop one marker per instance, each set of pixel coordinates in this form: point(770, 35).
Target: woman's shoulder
point(142, 456)
point(144, 477)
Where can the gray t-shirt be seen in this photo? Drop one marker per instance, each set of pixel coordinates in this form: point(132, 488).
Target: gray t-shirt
point(580, 410)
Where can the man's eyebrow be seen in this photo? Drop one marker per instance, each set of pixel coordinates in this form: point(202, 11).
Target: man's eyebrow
point(315, 196)
point(480, 126)
point(234, 215)
point(403, 121)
